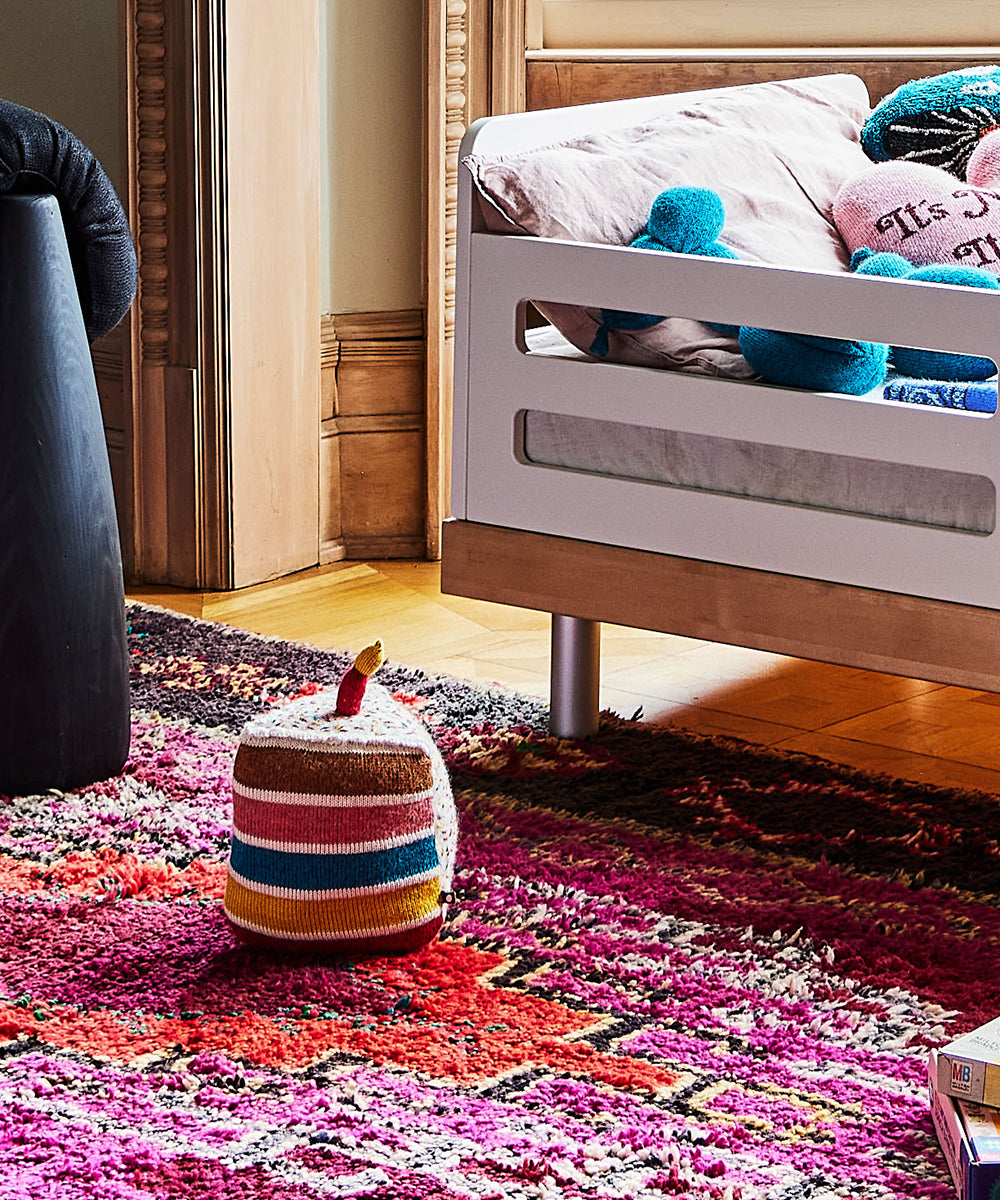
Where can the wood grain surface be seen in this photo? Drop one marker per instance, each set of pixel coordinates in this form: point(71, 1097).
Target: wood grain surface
point(64, 697)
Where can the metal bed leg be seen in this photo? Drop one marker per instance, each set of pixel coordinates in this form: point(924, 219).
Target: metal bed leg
point(575, 674)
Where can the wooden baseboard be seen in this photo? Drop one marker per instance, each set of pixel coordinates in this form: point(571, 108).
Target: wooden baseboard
point(373, 435)
point(359, 549)
point(366, 549)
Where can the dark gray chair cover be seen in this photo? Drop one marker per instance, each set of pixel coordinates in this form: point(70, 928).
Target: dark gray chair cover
point(38, 155)
point(67, 276)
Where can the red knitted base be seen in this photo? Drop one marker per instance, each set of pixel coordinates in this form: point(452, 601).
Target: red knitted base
point(391, 943)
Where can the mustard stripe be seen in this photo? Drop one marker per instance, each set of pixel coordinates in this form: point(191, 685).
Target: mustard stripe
point(290, 893)
point(327, 801)
point(325, 936)
point(335, 916)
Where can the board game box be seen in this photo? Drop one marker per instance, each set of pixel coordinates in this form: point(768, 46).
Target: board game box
point(969, 1135)
point(969, 1066)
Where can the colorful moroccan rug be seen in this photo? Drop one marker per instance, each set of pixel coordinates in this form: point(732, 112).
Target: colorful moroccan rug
point(672, 966)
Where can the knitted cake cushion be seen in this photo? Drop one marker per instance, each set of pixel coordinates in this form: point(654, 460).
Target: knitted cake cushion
point(344, 829)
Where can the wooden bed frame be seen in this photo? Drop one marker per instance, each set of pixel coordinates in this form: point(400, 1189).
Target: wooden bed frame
point(837, 587)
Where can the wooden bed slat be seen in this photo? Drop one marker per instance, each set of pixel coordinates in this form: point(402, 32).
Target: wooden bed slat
point(570, 78)
point(804, 618)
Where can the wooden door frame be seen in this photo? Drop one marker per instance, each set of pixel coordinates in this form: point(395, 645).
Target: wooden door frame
point(179, 424)
point(179, 460)
point(221, 478)
point(474, 66)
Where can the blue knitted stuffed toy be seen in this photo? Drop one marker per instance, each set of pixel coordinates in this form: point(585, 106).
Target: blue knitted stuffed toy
point(684, 219)
point(690, 220)
point(930, 364)
point(938, 120)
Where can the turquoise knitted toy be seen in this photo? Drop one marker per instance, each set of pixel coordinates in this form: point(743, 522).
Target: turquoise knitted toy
point(938, 121)
point(930, 364)
point(686, 220)
point(816, 363)
point(690, 220)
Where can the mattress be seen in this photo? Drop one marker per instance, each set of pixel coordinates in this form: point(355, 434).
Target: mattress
point(768, 473)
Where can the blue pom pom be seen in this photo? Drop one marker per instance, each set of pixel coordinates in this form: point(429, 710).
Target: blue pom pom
point(686, 219)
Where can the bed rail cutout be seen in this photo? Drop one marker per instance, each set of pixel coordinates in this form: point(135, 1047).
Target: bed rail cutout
point(869, 487)
point(547, 329)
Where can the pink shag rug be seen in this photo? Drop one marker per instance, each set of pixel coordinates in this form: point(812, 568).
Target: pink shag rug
point(672, 966)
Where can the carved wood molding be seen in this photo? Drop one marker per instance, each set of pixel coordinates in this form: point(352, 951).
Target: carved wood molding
point(474, 65)
point(178, 464)
point(457, 116)
point(373, 435)
point(398, 324)
point(148, 173)
point(381, 338)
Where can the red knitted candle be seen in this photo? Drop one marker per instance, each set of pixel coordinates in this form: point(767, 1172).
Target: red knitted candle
point(352, 687)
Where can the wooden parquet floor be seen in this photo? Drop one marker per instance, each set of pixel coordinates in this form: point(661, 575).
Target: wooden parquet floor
point(911, 728)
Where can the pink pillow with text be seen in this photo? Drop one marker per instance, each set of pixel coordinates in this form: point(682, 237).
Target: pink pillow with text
point(921, 212)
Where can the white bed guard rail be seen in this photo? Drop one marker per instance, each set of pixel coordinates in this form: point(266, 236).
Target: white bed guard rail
point(497, 379)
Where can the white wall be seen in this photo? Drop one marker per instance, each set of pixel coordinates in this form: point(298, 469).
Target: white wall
point(372, 157)
point(61, 57)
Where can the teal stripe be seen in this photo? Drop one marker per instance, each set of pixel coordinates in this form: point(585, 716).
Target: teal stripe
point(320, 872)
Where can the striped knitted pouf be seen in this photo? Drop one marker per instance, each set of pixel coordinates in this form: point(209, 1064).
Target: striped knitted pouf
point(344, 829)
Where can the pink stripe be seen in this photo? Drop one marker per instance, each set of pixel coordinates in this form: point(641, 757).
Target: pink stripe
point(307, 823)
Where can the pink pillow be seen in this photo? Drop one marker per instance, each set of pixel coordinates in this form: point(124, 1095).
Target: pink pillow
point(921, 212)
point(776, 153)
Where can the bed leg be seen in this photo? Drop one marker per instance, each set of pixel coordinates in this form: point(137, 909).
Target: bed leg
point(574, 676)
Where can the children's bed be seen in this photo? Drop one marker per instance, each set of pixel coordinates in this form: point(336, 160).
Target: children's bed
point(854, 530)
